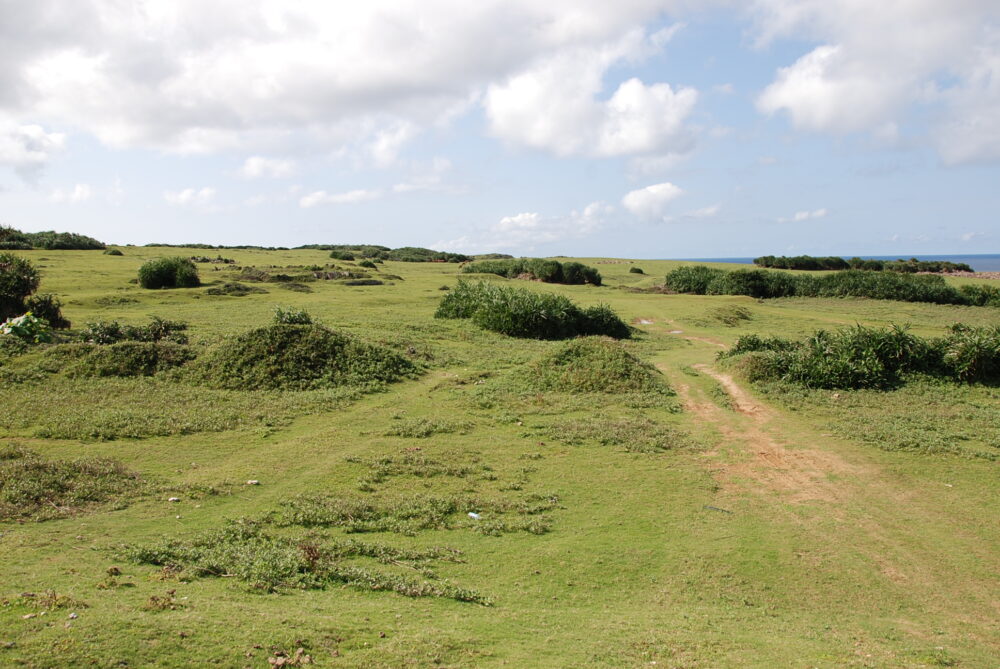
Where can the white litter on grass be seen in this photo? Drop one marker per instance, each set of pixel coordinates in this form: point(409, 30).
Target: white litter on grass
point(473, 515)
point(253, 482)
point(173, 499)
point(676, 332)
point(644, 321)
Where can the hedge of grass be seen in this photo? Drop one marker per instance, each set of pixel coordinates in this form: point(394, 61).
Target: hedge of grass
point(519, 312)
point(703, 280)
point(547, 271)
point(860, 357)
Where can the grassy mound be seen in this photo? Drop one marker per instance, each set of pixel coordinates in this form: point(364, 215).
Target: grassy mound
point(518, 312)
point(298, 357)
point(593, 365)
point(38, 489)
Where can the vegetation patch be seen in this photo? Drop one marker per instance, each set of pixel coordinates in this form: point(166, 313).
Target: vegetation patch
point(33, 488)
point(299, 357)
point(266, 561)
point(235, 289)
point(636, 434)
point(593, 365)
point(125, 358)
point(421, 428)
point(518, 312)
point(538, 269)
point(762, 284)
point(175, 272)
point(13, 239)
point(408, 515)
point(730, 315)
point(19, 279)
point(157, 330)
point(380, 470)
point(135, 408)
point(910, 266)
point(860, 357)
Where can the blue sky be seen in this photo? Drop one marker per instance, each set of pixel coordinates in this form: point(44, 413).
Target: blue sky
point(641, 128)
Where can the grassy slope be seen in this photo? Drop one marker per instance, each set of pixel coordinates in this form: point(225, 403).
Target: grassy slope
point(836, 553)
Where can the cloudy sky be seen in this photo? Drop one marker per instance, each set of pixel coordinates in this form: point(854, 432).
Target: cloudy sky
point(634, 128)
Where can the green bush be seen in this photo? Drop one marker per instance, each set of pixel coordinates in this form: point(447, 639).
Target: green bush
point(342, 255)
point(540, 269)
point(635, 270)
point(518, 312)
point(291, 316)
point(174, 272)
point(298, 357)
point(121, 359)
point(27, 328)
point(692, 279)
point(158, 329)
point(18, 280)
point(49, 308)
point(860, 357)
point(113, 252)
point(592, 365)
point(368, 263)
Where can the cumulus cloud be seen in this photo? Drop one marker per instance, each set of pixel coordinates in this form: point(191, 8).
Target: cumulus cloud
point(875, 62)
point(651, 202)
point(28, 148)
point(348, 197)
point(190, 197)
point(554, 105)
point(189, 76)
point(805, 215)
point(527, 230)
point(256, 167)
point(79, 193)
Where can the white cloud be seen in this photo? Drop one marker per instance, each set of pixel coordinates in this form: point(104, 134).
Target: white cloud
point(554, 106)
point(348, 197)
point(190, 197)
point(528, 230)
point(651, 202)
point(256, 167)
point(28, 148)
point(271, 76)
point(805, 215)
point(79, 193)
point(878, 61)
point(705, 212)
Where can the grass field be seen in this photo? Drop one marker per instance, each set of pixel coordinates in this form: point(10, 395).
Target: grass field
point(714, 524)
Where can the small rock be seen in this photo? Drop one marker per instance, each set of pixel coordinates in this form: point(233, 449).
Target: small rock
point(29, 616)
point(173, 499)
point(253, 482)
point(473, 515)
point(73, 616)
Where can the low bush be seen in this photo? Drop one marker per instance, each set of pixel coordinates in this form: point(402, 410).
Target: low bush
point(124, 358)
point(113, 252)
point(702, 280)
point(860, 357)
point(362, 282)
point(518, 312)
point(368, 263)
point(910, 266)
point(298, 357)
point(540, 269)
point(158, 329)
point(235, 289)
point(174, 272)
point(342, 255)
point(291, 316)
point(592, 365)
point(33, 488)
point(48, 308)
point(635, 270)
point(18, 280)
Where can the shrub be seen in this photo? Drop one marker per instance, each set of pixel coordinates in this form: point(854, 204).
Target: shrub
point(51, 240)
point(121, 359)
point(298, 357)
point(971, 354)
point(546, 271)
point(518, 312)
point(291, 316)
point(174, 272)
point(113, 252)
point(342, 255)
point(692, 279)
point(48, 308)
point(158, 329)
point(27, 328)
point(635, 270)
point(367, 263)
point(18, 280)
point(592, 365)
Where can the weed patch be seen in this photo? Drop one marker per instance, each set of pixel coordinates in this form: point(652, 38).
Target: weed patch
point(266, 561)
point(592, 365)
point(422, 428)
point(380, 470)
point(33, 488)
point(635, 434)
point(235, 289)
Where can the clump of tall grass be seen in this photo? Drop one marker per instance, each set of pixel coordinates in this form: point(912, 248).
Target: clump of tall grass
point(762, 284)
point(547, 271)
point(175, 272)
point(860, 357)
point(157, 330)
point(592, 365)
point(519, 312)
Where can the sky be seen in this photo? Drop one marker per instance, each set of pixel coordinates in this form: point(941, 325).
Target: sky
point(635, 128)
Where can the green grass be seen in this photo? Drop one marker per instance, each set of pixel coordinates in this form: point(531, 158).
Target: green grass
point(595, 544)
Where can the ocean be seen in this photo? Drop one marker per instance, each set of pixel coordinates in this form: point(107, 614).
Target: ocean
point(981, 263)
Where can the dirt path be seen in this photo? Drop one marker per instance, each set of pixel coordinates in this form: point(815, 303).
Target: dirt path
point(760, 456)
